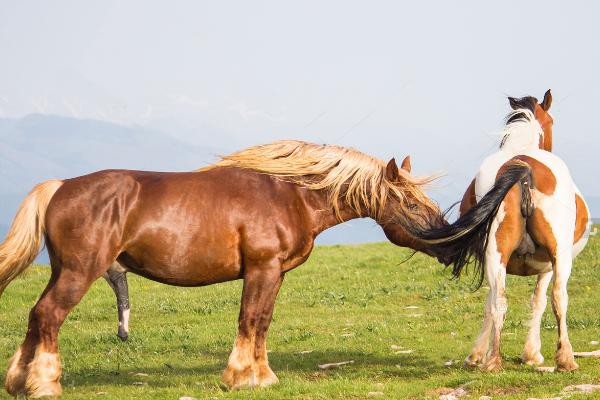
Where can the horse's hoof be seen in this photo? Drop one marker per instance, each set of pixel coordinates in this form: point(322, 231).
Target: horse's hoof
point(48, 389)
point(567, 367)
point(16, 375)
point(492, 364)
point(249, 377)
point(43, 378)
point(266, 376)
point(239, 378)
point(123, 336)
point(532, 359)
point(472, 360)
point(565, 362)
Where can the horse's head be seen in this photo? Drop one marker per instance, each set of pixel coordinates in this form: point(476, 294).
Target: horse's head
point(540, 110)
point(412, 208)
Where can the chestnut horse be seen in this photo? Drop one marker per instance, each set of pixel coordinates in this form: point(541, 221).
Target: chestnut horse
point(540, 227)
point(252, 216)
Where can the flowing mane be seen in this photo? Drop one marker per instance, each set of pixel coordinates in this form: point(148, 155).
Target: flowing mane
point(522, 131)
point(344, 172)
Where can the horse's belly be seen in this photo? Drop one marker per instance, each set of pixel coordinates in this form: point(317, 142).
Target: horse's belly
point(174, 266)
point(528, 265)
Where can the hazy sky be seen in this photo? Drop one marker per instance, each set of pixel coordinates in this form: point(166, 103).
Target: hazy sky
point(389, 78)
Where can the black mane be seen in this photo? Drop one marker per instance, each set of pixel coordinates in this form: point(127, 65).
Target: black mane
point(527, 103)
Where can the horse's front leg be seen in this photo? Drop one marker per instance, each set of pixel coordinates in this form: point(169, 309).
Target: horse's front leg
point(248, 364)
point(560, 300)
point(532, 353)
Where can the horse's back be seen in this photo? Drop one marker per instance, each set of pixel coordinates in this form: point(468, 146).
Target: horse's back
point(189, 228)
point(538, 160)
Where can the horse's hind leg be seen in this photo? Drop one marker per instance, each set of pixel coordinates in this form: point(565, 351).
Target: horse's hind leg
point(565, 360)
point(117, 279)
point(248, 364)
point(496, 276)
point(550, 228)
point(532, 353)
point(35, 368)
point(504, 237)
point(482, 343)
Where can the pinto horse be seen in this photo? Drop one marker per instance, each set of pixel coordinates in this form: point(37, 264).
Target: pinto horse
point(539, 227)
point(252, 216)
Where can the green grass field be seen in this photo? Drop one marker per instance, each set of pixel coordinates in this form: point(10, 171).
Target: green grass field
point(346, 303)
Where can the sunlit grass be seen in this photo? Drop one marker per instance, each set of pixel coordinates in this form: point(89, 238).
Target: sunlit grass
point(346, 303)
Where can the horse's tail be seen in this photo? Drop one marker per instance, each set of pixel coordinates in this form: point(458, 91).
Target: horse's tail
point(467, 238)
point(24, 238)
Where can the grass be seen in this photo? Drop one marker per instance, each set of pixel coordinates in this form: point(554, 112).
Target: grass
point(345, 303)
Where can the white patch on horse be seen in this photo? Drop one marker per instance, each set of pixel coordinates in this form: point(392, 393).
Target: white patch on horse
point(125, 323)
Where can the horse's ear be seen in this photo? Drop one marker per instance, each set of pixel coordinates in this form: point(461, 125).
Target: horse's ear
point(514, 104)
point(547, 102)
point(406, 164)
point(391, 171)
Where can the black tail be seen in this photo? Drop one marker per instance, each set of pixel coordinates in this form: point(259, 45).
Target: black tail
point(467, 238)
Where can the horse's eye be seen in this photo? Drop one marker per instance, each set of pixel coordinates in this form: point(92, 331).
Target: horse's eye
point(412, 206)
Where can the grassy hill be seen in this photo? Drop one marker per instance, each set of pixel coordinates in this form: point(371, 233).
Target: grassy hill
point(346, 303)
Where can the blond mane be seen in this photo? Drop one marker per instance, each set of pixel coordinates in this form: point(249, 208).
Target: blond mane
point(345, 173)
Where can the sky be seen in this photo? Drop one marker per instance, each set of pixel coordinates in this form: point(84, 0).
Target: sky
point(424, 78)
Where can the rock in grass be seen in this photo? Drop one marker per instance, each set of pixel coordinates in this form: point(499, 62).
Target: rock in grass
point(453, 394)
point(545, 369)
point(375, 394)
point(593, 354)
point(334, 365)
point(583, 388)
point(187, 398)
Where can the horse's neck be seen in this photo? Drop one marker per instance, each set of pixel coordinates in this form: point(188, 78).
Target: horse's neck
point(547, 141)
point(323, 212)
point(515, 146)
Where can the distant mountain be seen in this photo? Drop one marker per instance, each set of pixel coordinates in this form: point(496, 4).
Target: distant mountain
point(39, 147)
